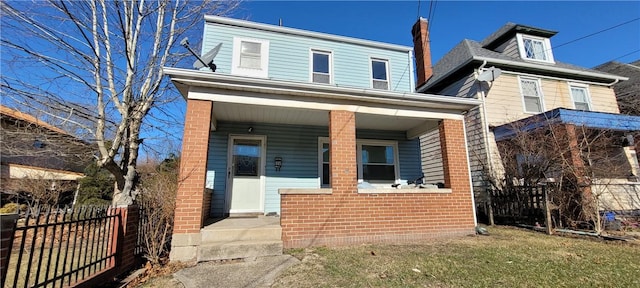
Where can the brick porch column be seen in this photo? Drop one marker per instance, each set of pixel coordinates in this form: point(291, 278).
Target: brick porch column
point(342, 151)
point(577, 164)
point(190, 213)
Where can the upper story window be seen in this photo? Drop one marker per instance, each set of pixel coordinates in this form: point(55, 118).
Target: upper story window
point(250, 57)
point(379, 74)
point(321, 66)
point(580, 96)
point(531, 95)
point(535, 48)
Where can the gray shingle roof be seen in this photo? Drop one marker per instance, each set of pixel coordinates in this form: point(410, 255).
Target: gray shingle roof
point(468, 51)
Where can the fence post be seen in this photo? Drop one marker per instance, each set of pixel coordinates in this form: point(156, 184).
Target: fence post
point(547, 211)
point(130, 217)
point(7, 230)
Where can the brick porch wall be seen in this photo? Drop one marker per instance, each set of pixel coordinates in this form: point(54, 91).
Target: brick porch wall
point(347, 217)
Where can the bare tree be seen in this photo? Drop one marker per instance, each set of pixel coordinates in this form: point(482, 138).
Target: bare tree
point(582, 167)
point(95, 66)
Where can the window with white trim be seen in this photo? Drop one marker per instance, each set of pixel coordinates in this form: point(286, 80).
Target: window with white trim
point(534, 48)
point(580, 96)
point(379, 74)
point(377, 161)
point(250, 57)
point(531, 95)
point(321, 67)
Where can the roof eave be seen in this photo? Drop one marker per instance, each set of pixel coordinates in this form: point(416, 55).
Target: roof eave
point(300, 32)
point(209, 79)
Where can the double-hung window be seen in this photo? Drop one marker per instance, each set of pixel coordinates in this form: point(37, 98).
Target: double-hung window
point(250, 57)
point(321, 67)
point(580, 96)
point(531, 95)
point(379, 74)
point(534, 48)
point(377, 161)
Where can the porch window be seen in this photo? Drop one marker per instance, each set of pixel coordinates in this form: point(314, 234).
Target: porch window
point(580, 96)
point(250, 57)
point(377, 161)
point(531, 95)
point(320, 67)
point(534, 48)
point(380, 74)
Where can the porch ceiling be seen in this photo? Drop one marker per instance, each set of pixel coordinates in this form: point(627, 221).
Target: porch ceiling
point(234, 112)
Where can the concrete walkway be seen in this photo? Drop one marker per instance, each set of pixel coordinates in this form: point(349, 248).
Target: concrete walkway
point(259, 273)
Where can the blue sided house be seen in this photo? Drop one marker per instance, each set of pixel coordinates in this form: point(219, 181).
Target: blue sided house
point(291, 113)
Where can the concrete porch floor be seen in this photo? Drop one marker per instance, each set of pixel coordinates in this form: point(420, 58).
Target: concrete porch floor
point(242, 222)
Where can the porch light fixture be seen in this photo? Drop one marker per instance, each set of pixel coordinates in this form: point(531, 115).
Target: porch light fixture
point(277, 163)
point(250, 129)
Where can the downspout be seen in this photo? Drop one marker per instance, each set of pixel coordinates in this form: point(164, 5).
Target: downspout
point(485, 131)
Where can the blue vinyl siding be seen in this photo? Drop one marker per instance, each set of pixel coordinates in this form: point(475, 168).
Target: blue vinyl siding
point(289, 57)
point(298, 147)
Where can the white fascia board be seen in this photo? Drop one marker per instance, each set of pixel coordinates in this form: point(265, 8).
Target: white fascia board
point(299, 32)
point(213, 80)
point(243, 97)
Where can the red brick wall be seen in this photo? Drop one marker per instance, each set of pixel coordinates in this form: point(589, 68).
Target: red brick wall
point(346, 217)
point(190, 199)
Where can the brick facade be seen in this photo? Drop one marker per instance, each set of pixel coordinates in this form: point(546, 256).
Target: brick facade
point(348, 217)
point(191, 205)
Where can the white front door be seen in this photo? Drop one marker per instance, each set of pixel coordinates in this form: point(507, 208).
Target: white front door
point(245, 174)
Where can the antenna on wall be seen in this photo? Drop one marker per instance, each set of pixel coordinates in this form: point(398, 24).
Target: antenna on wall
point(207, 58)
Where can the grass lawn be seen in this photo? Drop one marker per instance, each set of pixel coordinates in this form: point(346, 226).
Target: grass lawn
point(508, 258)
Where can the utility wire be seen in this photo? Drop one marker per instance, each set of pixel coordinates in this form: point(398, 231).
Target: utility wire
point(625, 55)
point(598, 32)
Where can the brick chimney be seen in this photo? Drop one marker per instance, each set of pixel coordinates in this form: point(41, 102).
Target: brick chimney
point(422, 50)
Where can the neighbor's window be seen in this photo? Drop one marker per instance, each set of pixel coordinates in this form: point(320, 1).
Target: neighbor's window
point(531, 95)
point(380, 74)
point(250, 57)
point(535, 48)
point(320, 67)
point(580, 96)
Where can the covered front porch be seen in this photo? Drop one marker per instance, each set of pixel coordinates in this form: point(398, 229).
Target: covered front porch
point(304, 152)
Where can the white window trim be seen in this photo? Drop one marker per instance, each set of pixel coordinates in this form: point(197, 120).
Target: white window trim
point(359, 143)
point(547, 46)
point(387, 67)
point(588, 94)
point(541, 96)
point(396, 163)
point(321, 141)
point(321, 51)
point(263, 72)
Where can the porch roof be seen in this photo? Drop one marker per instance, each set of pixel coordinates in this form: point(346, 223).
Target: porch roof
point(249, 100)
point(588, 119)
point(185, 78)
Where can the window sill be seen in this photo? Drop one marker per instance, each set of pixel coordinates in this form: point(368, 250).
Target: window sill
point(305, 191)
point(405, 191)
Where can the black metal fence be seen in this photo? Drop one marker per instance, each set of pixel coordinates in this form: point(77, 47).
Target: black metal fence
point(56, 247)
point(519, 205)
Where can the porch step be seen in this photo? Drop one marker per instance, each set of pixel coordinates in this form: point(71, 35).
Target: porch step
point(239, 249)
